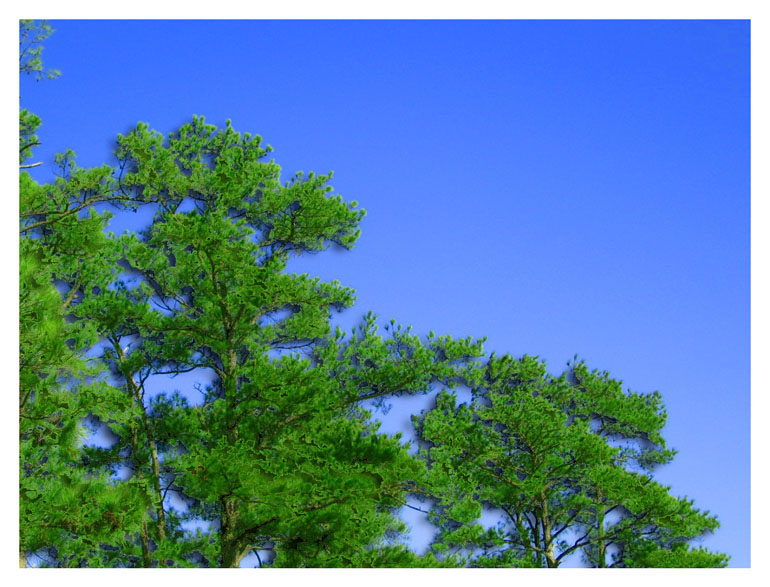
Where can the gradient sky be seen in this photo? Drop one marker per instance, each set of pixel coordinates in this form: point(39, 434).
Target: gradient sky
point(560, 187)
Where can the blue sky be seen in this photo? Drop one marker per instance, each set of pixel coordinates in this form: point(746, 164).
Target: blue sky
point(560, 187)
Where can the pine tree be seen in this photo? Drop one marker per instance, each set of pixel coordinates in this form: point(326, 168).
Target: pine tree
point(280, 453)
point(275, 447)
point(568, 460)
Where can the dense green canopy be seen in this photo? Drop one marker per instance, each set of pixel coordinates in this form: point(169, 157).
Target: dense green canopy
point(274, 449)
point(567, 463)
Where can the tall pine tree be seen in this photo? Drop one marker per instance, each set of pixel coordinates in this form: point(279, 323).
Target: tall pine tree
point(567, 461)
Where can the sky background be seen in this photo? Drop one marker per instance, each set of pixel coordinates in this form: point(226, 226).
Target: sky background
point(560, 187)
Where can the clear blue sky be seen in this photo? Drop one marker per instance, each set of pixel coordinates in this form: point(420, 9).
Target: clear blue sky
point(560, 187)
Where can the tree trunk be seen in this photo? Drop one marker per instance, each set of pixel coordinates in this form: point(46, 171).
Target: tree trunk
point(536, 540)
point(137, 402)
point(550, 557)
point(602, 547)
point(146, 558)
point(232, 549)
point(144, 538)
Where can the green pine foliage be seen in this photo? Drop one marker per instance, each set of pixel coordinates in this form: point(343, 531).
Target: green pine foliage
point(567, 460)
point(274, 449)
point(32, 33)
point(64, 507)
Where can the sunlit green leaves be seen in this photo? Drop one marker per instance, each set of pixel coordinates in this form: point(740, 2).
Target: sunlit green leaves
point(555, 454)
point(31, 34)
